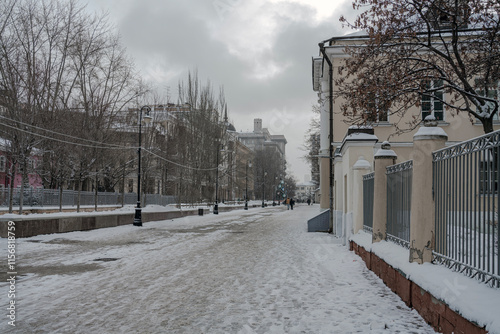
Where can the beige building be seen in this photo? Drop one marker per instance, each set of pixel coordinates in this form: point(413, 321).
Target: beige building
point(261, 139)
point(356, 145)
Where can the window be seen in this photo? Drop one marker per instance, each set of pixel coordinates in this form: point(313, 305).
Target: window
point(491, 93)
point(3, 161)
point(432, 102)
point(488, 177)
point(376, 111)
point(31, 165)
point(130, 185)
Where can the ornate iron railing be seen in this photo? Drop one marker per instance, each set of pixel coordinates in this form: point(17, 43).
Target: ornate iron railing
point(465, 179)
point(399, 183)
point(368, 193)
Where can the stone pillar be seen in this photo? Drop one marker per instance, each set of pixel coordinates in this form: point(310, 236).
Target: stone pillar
point(360, 168)
point(324, 183)
point(428, 138)
point(383, 158)
point(325, 143)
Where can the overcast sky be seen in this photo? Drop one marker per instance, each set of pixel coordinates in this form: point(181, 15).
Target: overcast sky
point(258, 50)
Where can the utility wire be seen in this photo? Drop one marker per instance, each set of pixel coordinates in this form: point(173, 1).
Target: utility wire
point(60, 134)
point(179, 165)
point(68, 142)
point(109, 146)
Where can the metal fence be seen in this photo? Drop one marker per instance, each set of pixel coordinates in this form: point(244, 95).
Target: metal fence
point(368, 194)
point(399, 182)
point(69, 198)
point(465, 178)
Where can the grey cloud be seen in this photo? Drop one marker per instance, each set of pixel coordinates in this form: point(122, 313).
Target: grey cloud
point(181, 34)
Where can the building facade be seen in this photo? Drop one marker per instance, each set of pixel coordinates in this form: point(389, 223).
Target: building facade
point(351, 144)
point(269, 164)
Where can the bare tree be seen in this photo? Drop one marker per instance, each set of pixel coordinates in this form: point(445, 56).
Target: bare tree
point(62, 69)
point(105, 85)
point(268, 169)
point(416, 50)
point(312, 144)
point(35, 41)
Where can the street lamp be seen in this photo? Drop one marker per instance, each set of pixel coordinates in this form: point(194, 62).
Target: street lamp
point(138, 209)
point(249, 164)
point(216, 206)
point(263, 187)
point(275, 190)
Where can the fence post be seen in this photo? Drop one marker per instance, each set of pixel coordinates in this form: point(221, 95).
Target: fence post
point(360, 168)
point(428, 138)
point(383, 158)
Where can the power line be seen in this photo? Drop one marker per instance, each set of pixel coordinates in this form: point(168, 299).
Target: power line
point(58, 133)
point(179, 165)
point(99, 144)
point(68, 142)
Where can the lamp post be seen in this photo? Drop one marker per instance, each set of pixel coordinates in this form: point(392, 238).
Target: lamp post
point(216, 206)
point(138, 209)
point(263, 187)
point(275, 190)
point(249, 164)
point(282, 190)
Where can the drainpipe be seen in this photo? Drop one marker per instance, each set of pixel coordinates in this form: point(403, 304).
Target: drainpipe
point(332, 228)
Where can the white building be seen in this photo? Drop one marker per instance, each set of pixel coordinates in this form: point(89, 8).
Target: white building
point(305, 191)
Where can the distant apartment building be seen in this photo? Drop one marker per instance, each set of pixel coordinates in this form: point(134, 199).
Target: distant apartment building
point(261, 139)
point(270, 159)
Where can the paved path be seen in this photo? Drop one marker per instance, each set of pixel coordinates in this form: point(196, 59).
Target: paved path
point(244, 272)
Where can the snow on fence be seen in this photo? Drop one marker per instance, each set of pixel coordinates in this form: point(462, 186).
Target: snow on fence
point(465, 178)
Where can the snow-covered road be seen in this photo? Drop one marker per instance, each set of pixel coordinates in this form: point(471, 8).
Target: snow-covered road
point(255, 271)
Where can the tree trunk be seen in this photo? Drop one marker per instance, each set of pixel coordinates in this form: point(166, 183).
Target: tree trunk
point(123, 187)
point(487, 124)
point(96, 194)
point(79, 193)
point(12, 176)
point(60, 197)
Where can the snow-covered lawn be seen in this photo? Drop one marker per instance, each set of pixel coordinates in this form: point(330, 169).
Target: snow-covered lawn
point(255, 271)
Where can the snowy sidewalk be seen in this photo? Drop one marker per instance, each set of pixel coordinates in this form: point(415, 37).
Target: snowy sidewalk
point(245, 272)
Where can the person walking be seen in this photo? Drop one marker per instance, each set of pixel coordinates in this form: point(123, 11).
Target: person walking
point(292, 203)
point(288, 203)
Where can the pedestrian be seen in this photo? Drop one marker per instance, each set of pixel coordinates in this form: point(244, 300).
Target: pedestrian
point(308, 201)
point(288, 203)
point(292, 202)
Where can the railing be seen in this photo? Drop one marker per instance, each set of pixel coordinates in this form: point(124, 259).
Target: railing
point(368, 193)
point(399, 182)
point(52, 198)
point(465, 178)
point(319, 223)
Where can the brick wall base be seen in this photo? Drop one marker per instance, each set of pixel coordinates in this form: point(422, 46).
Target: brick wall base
point(435, 312)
